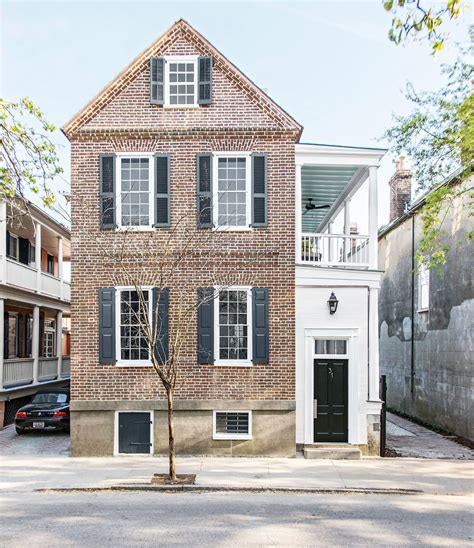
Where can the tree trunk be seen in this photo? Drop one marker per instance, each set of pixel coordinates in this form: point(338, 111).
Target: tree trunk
point(171, 453)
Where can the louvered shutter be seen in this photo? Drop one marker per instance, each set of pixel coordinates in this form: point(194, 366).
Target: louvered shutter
point(162, 190)
point(107, 325)
point(157, 80)
point(107, 191)
point(259, 190)
point(206, 325)
point(260, 325)
point(204, 190)
point(160, 303)
point(204, 80)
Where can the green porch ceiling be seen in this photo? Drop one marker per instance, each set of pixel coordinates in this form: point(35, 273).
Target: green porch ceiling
point(323, 184)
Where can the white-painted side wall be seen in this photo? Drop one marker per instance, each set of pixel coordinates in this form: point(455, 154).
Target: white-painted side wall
point(351, 321)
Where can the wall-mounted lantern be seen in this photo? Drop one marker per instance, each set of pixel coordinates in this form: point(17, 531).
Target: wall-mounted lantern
point(332, 303)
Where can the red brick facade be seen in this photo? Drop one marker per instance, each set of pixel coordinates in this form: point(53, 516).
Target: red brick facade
point(239, 119)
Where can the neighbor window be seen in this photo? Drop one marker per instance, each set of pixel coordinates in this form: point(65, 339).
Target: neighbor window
point(180, 81)
point(232, 425)
point(50, 264)
point(233, 321)
point(132, 341)
point(232, 195)
point(423, 287)
point(49, 338)
point(135, 188)
point(12, 246)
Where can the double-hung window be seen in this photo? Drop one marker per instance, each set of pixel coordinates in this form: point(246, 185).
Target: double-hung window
point(49, 350)
point(135, 183)
point(12, 246)
point(233, 319)
point(232, 192)
point(132, 309)
point(181, 81)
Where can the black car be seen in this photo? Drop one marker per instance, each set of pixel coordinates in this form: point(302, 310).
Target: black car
point(48, 410)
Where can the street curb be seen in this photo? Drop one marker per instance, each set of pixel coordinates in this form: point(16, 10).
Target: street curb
point(227, 489)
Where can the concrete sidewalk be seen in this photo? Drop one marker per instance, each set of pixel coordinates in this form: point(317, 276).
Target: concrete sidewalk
point(25, 474)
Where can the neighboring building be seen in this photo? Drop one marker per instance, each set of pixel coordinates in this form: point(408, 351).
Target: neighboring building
point(182, 106)
point(34, 303)
point(426, 316)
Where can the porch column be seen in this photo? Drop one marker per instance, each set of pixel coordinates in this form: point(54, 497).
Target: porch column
point(347, 229)
point(60, 266)
point(373, 217)
point(35, 343)
point(373, 374)
point(330, 243)
point(59, 340)
point(298, 213)
point(3, 242)
point(38, 256)
point(2, 334)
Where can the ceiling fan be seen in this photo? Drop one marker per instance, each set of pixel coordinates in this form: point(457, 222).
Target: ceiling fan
point(310, 206)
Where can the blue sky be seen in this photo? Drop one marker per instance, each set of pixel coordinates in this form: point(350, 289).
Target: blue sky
point(329, 64)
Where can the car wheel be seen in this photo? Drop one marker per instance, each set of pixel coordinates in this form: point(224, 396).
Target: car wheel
point(19, 431)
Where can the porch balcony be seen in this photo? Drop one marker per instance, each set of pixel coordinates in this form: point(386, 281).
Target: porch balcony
point(328, 178)
point(34, 251)
point(19, 372)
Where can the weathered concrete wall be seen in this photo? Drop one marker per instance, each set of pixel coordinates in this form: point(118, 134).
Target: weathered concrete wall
point(443, 347)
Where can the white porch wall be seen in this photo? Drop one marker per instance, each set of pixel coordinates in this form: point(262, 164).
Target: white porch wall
point(313, 287)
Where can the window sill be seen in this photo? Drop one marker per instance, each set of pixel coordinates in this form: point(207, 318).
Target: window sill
point(231, 437)
point(233, 229)
point(133, 364)
point(232, 364)
point(135, 229)
point(180, 107)
point(423, 310)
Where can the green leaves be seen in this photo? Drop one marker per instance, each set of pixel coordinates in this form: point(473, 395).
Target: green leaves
point(28, 158)
point(417, 21)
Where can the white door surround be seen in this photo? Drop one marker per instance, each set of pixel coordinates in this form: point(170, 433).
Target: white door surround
point(351, 335)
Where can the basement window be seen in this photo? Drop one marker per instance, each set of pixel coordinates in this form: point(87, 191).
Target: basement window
point(232, 425)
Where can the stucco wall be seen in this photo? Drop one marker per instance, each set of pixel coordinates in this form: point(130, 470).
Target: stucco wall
point(443, 347)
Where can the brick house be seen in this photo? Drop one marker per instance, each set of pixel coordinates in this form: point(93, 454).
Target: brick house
point(194, 134)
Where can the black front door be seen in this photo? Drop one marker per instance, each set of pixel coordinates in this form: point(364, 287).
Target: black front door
point(134, 432)
point(330, 405)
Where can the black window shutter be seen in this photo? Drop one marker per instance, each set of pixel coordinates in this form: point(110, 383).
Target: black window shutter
point(160, 303)
point(260, 324)
point(162, 190)
point(5, 335)
point(107, 191)
point(8, 250)
point(23, 250)
point(259, 190)
point(204, 80)
point(204, 190)
point(28, 336)
point(206, 325)
point(107, 325)
point(19, 335)
point(157, 80)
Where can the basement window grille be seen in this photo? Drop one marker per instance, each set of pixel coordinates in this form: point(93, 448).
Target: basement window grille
point(232, 425)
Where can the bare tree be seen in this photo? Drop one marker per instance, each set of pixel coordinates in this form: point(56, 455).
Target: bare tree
point(160, 268)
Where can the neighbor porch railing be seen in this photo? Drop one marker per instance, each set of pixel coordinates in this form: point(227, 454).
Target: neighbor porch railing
point(18, 372)
point(335, 250)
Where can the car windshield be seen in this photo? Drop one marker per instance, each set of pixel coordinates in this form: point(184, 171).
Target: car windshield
point(50, 398)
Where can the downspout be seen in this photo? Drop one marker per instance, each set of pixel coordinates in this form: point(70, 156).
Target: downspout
point(412, 341)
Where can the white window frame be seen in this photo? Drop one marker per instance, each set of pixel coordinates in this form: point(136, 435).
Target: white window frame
point(118, 191)
point(49, 332)
point(180, 59)
point(16, 239)
point(248, 190)
point(118, 348)
point(238, 362)
point(423, 288)
point(116, 434)
point(216, 436)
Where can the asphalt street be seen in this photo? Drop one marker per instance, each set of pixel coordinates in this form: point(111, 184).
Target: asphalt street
point(238, 519)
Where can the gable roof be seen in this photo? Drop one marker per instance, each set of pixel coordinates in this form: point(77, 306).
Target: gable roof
point(180, 29)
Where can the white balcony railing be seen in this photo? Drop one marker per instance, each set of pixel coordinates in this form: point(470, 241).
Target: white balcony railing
point(47, 369)
point(335, 250)
point(26, 277)
point(19, 372)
